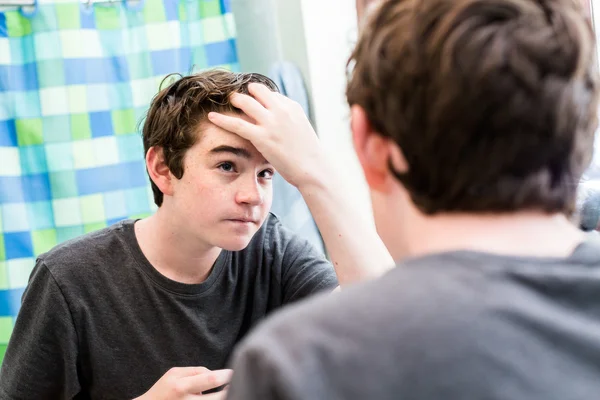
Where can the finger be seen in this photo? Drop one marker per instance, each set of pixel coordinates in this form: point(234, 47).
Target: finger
point(234, 124)
point(264, 95)
point(275, 99)
point(206, 381)
point(281, 97)
point(188, 371)
point(250, 106)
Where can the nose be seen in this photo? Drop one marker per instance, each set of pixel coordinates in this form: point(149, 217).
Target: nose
point(250, 192)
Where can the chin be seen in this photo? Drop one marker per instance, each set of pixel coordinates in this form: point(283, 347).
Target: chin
point(236, 243)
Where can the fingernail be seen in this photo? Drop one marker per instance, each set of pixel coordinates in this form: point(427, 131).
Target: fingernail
point(228, 372)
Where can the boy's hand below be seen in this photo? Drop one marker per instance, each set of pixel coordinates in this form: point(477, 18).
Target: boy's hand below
point(281, 133)
point(188, 383)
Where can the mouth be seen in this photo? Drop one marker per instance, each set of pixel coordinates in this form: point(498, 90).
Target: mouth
point(242, 220)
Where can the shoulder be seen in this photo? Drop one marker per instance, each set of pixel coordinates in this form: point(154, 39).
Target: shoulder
point(315, 323)
point(419, 321)
point(89, 250)
point(274, 238)
point(301, 349)
point(387, 316)
point(273, 229)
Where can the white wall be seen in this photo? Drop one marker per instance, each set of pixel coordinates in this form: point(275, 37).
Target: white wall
point(595, 5)
point(330, 31)
point(317, 35)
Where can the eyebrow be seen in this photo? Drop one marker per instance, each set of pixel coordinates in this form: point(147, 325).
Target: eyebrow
point(237, 151)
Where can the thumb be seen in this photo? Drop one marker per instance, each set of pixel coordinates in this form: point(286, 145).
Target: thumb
point(207, 381)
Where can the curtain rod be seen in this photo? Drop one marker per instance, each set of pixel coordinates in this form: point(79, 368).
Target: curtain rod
point(32, 3)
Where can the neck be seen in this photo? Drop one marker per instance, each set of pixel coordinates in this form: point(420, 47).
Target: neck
point(532, 234)
point(172, 252)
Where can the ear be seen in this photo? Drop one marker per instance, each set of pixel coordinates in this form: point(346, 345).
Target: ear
point(159, 171)
point(397, 158)
point(373, 149)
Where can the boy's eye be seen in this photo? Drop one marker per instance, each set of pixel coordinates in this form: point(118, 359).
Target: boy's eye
point(267, 174)
point(226, 166)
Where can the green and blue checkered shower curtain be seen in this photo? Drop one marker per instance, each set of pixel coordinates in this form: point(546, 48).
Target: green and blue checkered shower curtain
point(74, 82)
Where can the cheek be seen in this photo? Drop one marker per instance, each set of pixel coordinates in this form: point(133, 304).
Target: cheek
point(268, 198)
point(201, 198)
point(214, 198)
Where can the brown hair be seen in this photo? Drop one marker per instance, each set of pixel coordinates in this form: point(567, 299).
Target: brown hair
point(362, 6)
point(176, 112)
point(492, 102)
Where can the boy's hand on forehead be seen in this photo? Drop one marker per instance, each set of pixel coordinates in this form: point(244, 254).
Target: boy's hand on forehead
point(281, 132)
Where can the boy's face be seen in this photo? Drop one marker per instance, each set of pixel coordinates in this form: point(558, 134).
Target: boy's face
point(226, 190)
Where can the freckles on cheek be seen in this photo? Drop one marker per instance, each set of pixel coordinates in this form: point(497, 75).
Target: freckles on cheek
point(200, 190)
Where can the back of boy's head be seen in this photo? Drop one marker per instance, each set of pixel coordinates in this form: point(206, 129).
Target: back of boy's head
point(492, 102)
point(177, 111)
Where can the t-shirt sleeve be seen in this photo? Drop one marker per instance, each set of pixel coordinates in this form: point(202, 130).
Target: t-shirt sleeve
point(41, 358)
point(305, 271)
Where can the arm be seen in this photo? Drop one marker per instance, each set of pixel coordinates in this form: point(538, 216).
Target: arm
point(355, 249)
point(41, 357)
point(303, 269)
point(284, 136)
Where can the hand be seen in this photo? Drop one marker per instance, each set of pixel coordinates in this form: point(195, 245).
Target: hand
point(188, 383)
point(281, 133)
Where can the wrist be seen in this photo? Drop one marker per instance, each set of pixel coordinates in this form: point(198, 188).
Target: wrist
point(319, 176)
point(316, 170)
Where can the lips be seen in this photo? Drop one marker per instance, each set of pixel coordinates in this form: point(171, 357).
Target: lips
point(243, 220)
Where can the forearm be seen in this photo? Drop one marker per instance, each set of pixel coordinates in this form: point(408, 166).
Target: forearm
point(356, 250)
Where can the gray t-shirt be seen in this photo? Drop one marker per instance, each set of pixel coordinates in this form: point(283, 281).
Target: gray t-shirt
point(460, 325)
point(98, 321)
